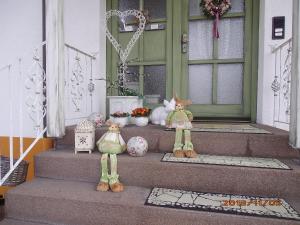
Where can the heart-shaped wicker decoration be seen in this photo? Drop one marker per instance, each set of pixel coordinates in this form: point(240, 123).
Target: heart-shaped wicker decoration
point(142, 21)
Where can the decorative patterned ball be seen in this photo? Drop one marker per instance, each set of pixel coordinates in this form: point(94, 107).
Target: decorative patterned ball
point(98, 119)
point(137, 146)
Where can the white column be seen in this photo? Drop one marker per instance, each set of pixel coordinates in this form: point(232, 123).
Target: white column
point(102, 58)
point(55, 68)
point(295, 81)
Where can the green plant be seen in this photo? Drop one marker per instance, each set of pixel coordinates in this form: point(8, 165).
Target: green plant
point(120, 84)
point(120, 114)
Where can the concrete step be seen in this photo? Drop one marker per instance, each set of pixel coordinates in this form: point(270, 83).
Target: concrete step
point(70, 202)
point(22, 222)
point(233, 144)
point(149, 171)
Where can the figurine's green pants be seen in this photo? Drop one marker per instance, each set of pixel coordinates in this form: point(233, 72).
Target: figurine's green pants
point(105, 177)
point(188, 145)
point(110, 150)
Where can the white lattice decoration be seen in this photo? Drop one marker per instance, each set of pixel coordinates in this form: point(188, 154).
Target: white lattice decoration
point(35, 96)
point(281, 84)
point(77, 85)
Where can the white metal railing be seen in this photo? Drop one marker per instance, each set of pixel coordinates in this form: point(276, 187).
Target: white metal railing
point(27, 75)
point(281, 84)
point(27, 88)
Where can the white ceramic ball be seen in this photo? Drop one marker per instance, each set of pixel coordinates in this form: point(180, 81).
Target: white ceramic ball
point(137, 146)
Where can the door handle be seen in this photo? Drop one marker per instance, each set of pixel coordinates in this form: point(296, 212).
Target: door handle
point(184, 43)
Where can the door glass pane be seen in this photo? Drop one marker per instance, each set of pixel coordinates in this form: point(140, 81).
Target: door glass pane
point(132, 78)
point(157, 8)
point(126, 5)
point(230, 83)
point(237, 6)
point(194, 6)
point(155, 81)
point(231, 41)
point(200, 39)
point(200, 84)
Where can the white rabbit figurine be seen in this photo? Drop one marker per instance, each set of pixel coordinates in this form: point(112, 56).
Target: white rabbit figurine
point(160, 114)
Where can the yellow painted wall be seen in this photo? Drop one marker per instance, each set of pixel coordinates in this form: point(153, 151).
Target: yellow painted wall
point(42, 145)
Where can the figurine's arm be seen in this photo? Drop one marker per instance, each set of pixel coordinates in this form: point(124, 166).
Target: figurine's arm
point(168, 119)
point(122, 143)
point(100, 140)
point(189, 114)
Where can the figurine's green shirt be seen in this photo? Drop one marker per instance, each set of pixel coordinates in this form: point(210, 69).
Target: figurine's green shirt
point(111, 143)
point(180, 118)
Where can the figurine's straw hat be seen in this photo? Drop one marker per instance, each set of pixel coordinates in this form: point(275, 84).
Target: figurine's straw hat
point(181, 101)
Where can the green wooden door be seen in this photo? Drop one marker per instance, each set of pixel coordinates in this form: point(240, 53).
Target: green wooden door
point(218, 75)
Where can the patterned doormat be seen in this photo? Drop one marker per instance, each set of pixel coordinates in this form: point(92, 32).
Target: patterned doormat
point(222, 203)
point(227, 128)
point(229, 161)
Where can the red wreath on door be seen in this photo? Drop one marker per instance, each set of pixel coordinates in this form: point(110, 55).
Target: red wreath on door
point(215, 9)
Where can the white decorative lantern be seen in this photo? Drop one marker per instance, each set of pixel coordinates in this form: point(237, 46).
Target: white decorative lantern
point(137, 146)
point(85, 137)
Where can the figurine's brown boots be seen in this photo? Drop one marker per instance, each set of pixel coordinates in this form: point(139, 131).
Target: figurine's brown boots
point(102, 186)
point(117, 187)
point(179, 154)
point(190, 154)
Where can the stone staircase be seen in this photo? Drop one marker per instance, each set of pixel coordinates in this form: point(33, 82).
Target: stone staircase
point(64, 189)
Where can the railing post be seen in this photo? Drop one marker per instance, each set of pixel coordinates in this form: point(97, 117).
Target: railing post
point(11, 121)
point(21, 107)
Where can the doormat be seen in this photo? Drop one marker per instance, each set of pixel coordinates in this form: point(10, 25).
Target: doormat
point(227, 128)
point(222, 203)
point(268, 163)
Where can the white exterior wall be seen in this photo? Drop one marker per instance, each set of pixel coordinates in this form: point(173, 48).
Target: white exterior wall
point(266, 69)
point(81, 20)
point(21, 32)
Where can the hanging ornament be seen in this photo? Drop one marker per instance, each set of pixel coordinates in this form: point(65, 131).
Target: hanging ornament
point(215, 9)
